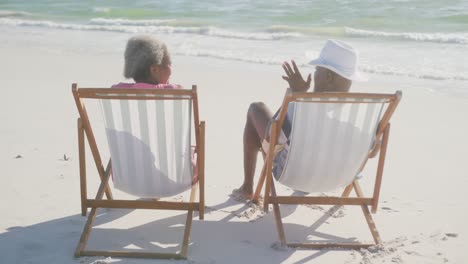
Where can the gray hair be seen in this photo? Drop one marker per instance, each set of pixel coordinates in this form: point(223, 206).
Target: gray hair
point(141, 53)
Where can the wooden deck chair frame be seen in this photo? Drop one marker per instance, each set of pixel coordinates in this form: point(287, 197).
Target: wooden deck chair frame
point(84, 129)
point(270, 196)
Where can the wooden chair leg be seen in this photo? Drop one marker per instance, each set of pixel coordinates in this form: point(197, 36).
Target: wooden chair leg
point(371, 224)
point(268, 164)
point(266, 196)
point(367, 215)
point(188, 222)
point(347, 190)
point(91, 217)
point(201, 172)
point(82, 162)
point(85, 234)
point(80, 249)
point(107, 176)
point(90, 136)
point(278, 220)
point(260, 183)
point(188, 227)
point(261, 180)
point(380, 167)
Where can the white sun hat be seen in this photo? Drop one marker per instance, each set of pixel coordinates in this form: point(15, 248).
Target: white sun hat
point(341, 58)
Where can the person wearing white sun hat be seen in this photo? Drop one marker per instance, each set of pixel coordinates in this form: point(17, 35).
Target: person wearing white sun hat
point(335, 70)
point(340, 58)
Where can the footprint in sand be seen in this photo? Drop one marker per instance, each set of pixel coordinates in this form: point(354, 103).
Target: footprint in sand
point(388, 209)
point(315, 207)
point(335, 212)
point(103, 261)
point(397, 259)
point(238, 195)
point(453, 235)
point(252, 213)
point(279, 247)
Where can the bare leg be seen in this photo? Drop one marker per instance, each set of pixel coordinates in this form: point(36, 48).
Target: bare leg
point(258, 118)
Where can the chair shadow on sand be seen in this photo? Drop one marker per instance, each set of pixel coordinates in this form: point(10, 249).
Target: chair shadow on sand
point(150, 179)
point(223, 240)
point(55, 240)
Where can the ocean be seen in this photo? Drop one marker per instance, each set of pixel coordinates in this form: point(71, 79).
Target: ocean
point(420, 39)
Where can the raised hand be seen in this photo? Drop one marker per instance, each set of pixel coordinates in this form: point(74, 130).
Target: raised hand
point(294, 78)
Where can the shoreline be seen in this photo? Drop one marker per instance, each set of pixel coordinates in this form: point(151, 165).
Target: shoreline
point(434, 70)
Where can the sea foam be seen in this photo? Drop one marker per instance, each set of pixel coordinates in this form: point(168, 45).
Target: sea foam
point(128, 22)
point(382, 69)
point(459, 38)
point(148, 26)
point(172, 26)
point(269, 52)
point(455, 37)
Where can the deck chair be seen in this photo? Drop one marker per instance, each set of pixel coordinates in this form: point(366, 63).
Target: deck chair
point(149, 134)
point(333, 135)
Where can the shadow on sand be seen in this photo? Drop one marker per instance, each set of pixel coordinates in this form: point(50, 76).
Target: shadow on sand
point(225, 240)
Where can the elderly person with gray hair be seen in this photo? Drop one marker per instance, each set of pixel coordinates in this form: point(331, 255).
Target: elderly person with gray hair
point(148, 63)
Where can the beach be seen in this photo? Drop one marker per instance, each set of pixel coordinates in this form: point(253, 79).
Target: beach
point(422, 212)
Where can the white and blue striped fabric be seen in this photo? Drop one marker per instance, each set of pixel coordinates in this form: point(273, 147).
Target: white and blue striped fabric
point(329, 142)
point(149, 144)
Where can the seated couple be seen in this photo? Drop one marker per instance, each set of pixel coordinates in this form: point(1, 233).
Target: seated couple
point(148, 62)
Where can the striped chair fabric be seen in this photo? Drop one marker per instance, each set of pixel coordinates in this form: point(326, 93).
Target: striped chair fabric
point(150, 145)
point(329, 142)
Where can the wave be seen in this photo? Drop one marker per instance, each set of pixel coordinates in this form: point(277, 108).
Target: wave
point(378, 69)
point(128, 22)
point(382, 70)
point(458, 38)
point(7, 13)
point(148, 26)
point(177, 26)
point(227, 56)
point(428, 75)
point(327, 31)
point(276, 32)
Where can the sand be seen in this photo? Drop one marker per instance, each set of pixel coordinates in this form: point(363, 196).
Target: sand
point(421, 216)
